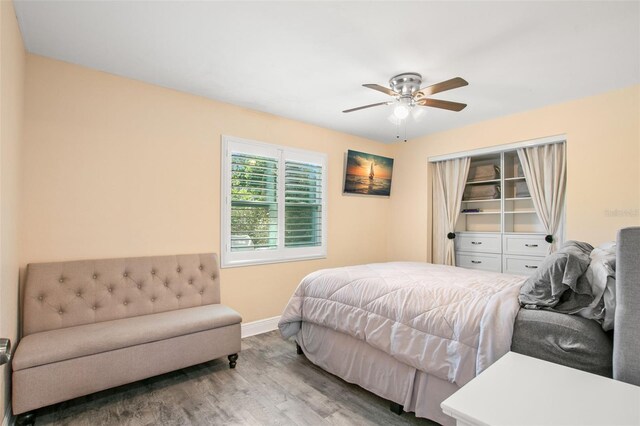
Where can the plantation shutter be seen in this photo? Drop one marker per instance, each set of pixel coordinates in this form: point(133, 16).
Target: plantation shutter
point(254, 202)
point(273, 206)
point(303, 204)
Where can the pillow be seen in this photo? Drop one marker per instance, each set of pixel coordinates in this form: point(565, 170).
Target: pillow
point(579, 248)
point(600, 270)
point(579, 252)
point(601, 276)
point(609, 246)
point(609, 299)
point(558, 273)
point(609, 296)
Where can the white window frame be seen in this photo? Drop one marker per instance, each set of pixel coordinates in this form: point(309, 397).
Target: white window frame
point(228, 258)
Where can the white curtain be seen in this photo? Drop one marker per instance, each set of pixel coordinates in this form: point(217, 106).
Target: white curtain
point(449, 179)
point(545, 170)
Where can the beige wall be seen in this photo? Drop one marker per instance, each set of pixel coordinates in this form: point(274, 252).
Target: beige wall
point(12, 66)
point(603, 167)
point(117, 167)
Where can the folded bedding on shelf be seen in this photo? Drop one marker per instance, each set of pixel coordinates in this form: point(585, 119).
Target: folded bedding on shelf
point(479, 192)
point(484, 172)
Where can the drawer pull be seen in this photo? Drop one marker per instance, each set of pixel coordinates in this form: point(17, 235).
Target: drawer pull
point(531, 245)
point(531, 266)
point(476, 261)
point(477, 243)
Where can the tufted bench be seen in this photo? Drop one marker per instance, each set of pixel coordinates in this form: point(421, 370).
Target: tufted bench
point(94, 324)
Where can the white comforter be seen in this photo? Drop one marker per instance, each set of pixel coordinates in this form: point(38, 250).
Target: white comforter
point(446, 321)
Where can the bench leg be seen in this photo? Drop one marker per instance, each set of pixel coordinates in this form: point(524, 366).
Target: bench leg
point(232, 360)
point(24, 419)
point(396, 408)
point(299, 349)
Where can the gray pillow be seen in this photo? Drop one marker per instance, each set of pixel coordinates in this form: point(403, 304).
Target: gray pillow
point(556, 284)
point(601, 276)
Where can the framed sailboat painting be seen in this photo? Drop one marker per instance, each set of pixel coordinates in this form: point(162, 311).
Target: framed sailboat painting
point(367, 174)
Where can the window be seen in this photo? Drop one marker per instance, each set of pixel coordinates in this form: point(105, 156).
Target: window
point(273, 203)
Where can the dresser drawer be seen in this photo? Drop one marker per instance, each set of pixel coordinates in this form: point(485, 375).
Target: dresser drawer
point(485, 243)
point(521, 265)
point(483, 261)
point(531, 245)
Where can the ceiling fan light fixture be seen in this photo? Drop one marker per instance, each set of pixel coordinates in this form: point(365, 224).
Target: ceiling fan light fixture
point(402, 108)
point(401, 111)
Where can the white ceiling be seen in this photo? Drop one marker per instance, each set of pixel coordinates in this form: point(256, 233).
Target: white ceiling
point(307, 60)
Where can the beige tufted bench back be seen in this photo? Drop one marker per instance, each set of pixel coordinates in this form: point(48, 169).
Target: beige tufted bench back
point(66, 294)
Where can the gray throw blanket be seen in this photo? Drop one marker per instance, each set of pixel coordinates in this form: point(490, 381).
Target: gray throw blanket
point(556, 286)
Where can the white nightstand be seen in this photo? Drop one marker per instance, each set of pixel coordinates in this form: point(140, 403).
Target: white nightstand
point(520, 390)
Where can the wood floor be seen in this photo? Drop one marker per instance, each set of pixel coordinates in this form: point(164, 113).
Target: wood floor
point(270, 386)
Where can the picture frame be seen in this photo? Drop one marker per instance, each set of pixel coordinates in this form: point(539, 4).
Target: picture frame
point(367, 174)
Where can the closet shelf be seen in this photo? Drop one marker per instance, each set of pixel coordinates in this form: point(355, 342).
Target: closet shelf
point(484, 200)
point(520, 211)
point(517, 199)
point(524, 233)
point(475, 182)
point(478, 232)
point(490, 212)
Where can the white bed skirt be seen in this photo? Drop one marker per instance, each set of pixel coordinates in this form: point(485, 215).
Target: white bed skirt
point(357, 362)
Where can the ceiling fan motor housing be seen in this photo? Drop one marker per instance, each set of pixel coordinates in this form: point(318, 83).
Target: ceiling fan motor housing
point(406, 84)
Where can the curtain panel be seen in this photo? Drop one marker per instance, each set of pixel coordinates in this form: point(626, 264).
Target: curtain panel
point(449, 179)
point(545, 171)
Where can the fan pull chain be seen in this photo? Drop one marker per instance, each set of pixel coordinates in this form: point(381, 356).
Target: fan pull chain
point(405, 130)
point(398, 124)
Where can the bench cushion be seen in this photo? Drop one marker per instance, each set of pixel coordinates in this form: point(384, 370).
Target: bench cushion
point(51, 383)
point(73, 342)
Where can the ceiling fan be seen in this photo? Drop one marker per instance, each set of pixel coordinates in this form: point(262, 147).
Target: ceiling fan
point(406, 89)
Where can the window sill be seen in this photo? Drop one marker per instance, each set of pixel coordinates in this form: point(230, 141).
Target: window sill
point(240, 263)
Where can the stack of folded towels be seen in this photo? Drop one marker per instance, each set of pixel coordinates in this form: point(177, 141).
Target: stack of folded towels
point(483, 172)
point(481, 192)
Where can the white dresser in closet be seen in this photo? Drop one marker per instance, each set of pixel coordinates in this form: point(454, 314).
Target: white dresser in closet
point(498, 229)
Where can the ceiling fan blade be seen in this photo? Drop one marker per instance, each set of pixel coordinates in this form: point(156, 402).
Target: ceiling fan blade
point(367, 106)
point(437, 103)
point(454, 83)
point(382, 89)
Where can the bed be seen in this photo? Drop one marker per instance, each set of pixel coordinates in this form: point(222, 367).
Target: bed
point(380, 327)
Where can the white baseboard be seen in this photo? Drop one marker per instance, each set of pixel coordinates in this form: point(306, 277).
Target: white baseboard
point(259, 327)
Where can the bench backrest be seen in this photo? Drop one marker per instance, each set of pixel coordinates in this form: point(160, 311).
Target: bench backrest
point(66, 294)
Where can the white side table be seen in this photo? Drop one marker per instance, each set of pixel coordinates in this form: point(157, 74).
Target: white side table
point(520, 390)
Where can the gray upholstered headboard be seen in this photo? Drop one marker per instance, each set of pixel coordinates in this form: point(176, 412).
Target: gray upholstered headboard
point(626, 335)
point(65, 294)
